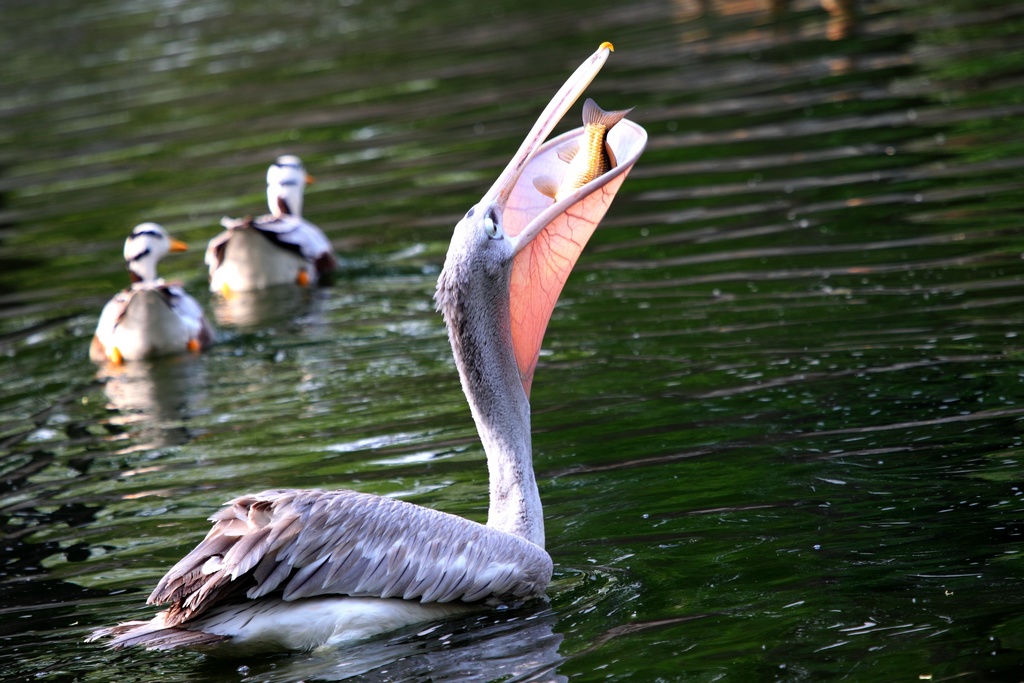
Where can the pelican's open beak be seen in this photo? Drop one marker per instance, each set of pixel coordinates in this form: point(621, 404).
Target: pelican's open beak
point(178, 245)
point(549, 118)
point(540, 267)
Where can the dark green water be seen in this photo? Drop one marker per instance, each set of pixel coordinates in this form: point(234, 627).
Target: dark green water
point(778, 421)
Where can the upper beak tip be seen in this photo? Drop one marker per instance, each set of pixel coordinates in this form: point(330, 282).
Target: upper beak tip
point(606, 44)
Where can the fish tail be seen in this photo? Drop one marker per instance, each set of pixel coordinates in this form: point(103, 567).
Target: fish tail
point(593, 115)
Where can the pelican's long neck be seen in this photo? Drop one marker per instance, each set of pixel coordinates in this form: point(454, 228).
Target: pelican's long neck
point(475, 305)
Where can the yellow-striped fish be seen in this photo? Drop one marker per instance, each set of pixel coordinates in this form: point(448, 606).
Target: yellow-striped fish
point(586, 161)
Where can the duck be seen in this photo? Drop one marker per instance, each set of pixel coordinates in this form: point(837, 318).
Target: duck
point(279, 248)
point(152, 317)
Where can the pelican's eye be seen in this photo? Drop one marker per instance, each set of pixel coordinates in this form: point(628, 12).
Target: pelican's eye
point(491, 225)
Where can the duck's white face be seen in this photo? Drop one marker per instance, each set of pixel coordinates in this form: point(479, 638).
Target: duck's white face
point(286, 183)
point(145, 246)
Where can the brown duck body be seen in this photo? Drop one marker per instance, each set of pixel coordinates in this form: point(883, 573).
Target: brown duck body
point(280, 248)
point(152, 317)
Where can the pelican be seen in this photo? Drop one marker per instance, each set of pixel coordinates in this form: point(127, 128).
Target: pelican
point(152, 317)
point(279, 248)
point(300, 569)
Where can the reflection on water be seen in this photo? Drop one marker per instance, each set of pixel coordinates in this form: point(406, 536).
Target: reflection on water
point(840, 22)
point(519, 647)
point(155, 400)
point(266, 308)
point(778, 413)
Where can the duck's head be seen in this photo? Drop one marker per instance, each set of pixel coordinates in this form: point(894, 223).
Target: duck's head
point(286, 183)
point(144, 248)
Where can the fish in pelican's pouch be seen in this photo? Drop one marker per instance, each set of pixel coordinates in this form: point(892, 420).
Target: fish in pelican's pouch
point(587, 158)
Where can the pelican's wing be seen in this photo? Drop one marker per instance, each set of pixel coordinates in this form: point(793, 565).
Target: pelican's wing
point(300, 544)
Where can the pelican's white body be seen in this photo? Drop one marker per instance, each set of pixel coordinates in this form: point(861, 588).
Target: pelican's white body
point(275, 625)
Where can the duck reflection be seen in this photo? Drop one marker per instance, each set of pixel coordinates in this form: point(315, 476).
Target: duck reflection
point(270, 306)
point(155, 399)
point(840, 23)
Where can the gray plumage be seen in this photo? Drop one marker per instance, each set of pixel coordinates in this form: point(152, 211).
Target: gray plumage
point(310, 543)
